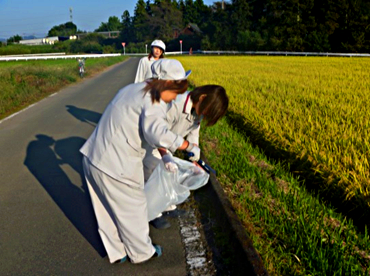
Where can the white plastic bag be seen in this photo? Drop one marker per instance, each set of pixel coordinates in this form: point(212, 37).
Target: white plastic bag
point(164, 188)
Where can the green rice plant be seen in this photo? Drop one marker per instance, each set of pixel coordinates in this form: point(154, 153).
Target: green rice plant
point(293, 231)
point(311, 112)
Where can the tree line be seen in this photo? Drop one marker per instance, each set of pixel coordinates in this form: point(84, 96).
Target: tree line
point(244, 25)
point(252, 25)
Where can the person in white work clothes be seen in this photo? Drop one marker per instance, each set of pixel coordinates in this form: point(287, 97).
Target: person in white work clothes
point(113, 160)
point(208, 102)
point(144, 72)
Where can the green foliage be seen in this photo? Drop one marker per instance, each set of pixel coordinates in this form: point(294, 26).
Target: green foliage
point(310, 112)
point(66, 29)
point(126, 28)
point(91, 43)
point(113, 24)
point(292, 230)
point(108, 49)
point(140, 22)
point(188, 41)
point(14, 39)
point(25, 82)
point(264, 25)
point(250, 41)
point(19, 49)
point(164, 19)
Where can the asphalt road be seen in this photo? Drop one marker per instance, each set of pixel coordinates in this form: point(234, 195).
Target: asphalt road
point(47, 225)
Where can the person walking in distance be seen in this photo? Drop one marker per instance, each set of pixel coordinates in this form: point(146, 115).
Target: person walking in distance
point(81, 67)
point(144, 71)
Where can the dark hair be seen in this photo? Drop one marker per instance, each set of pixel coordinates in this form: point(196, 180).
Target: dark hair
point(155, 87)
point(151, 53)
point(214, 105)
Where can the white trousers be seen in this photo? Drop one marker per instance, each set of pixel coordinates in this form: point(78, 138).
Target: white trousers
point(121, 213)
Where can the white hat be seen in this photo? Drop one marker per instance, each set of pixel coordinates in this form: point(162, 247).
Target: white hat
point(169, 69)
point(159, 43)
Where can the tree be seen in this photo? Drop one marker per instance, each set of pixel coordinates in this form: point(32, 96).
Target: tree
point(350, 24)
point(126, 28)
point(140, 22)
point(14, 39)
point(190, 13)
point(113, 24)
point(164, 20)
point(219, 28)
point(66, 29)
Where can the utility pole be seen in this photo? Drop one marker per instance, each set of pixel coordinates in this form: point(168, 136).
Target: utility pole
point(223, 5)
point(70, 14)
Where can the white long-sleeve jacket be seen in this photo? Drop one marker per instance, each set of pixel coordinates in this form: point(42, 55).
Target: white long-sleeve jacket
point(144, 70)
point(128, 125)
point(181, 121)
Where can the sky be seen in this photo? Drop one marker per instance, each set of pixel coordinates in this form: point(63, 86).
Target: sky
point(37, 17)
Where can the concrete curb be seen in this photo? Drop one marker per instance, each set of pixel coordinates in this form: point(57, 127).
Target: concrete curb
point(245, 255)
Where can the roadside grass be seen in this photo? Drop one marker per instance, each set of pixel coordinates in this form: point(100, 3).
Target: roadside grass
point(19, 49)
point(25, 82)
point(294, 231)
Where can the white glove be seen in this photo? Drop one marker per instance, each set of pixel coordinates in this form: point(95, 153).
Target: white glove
point(169, 163)
point(195, 150)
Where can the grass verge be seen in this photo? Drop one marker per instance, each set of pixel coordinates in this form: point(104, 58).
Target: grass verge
point(293, 231)
point(25, 82)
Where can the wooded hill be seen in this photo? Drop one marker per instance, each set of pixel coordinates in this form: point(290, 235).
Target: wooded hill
point(249, 25)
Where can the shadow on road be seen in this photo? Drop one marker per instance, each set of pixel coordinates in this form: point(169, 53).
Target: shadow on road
point(44, 159)
point(84, 115)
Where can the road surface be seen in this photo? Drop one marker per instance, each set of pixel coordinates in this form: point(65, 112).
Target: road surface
point(47, 222)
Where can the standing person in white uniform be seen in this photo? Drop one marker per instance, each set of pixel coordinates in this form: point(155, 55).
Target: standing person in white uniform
point(208, 102)
point(113, 160)
point(144, 72)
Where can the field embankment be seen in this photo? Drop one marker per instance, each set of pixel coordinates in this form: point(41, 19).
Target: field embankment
point(25, 82)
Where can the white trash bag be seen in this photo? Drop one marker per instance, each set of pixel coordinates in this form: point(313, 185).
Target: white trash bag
point(164, 188)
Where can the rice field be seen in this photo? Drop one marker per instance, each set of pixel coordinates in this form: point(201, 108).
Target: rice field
point(315, 109)
point(310, 114)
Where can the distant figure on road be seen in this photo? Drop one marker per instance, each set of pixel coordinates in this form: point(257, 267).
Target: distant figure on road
point(81, 66)
point(113, 160)
point(143, 70)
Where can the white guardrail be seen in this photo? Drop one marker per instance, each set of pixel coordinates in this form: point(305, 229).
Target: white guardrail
point(53, 56)
point(64, 56)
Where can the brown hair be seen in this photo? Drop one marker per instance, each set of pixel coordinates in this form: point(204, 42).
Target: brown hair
point(151, 53)
point(155, 87)
point(214, 105)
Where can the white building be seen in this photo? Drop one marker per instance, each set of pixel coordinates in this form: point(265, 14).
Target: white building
point(40, 41)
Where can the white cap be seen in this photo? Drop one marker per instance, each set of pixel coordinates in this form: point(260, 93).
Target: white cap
point(169, 69)
point(159, 43)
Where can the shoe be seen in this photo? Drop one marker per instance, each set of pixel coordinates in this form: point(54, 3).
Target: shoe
point(158, 250)
point(160, 223)
point(124, 259)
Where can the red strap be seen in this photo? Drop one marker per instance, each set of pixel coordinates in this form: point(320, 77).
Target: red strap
point(186, 102)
